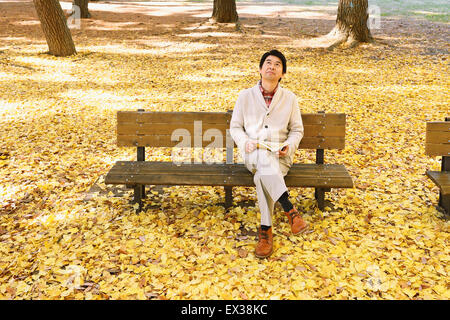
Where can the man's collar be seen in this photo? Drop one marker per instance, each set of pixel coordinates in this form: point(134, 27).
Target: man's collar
point(264, 90)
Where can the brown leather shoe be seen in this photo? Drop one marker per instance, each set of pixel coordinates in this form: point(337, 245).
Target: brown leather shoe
point(264, 248)
point(298, 225)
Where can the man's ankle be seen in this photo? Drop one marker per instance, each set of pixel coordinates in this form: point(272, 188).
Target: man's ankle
point(285, 203)
point(265, 228)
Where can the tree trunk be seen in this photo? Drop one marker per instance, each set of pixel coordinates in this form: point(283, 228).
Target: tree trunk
point(83, 4)
point(54, 26)
point(351, 22)
point(224, 11)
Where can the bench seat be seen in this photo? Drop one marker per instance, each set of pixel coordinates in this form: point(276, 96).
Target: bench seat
point(168, 173)
point(441, 179)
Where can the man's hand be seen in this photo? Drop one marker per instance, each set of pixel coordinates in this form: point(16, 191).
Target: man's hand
point(283, 152)
point(251, 145)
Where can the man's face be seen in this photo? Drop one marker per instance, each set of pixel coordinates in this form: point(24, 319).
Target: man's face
point(272, 69)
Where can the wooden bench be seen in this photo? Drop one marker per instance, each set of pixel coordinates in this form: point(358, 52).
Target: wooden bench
point(437, 143)
point(142, 129)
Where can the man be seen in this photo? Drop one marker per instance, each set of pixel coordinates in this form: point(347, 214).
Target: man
point(268, 112)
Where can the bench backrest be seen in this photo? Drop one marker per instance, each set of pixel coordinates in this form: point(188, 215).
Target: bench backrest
point(437, 141)
point(159, 129)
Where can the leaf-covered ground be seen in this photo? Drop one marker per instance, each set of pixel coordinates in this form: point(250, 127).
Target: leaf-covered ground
point(384, 239)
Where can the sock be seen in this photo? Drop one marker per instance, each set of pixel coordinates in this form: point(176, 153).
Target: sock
point(265, 228)
point(285, 203)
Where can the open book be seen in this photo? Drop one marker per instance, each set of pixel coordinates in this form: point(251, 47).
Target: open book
point(271, 146)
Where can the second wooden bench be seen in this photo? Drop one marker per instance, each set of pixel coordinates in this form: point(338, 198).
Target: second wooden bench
point(437, 143)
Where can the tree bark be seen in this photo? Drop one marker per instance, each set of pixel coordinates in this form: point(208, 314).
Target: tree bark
point(224, 11)
point(83, 4)
point(351, 23)
point(54, 26)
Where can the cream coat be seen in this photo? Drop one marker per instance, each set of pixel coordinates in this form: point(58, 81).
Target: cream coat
point(282, 118)
point(280, 122)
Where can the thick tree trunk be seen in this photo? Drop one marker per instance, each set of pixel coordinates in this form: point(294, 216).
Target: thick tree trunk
point(351, 23)
point(224, 11)
point(83, 4)
point(54, 26)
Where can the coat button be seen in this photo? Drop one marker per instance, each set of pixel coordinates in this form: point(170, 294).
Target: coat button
point(266, 126)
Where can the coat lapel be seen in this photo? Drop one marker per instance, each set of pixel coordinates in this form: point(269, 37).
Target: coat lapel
point(275, 98)
point(259, 97)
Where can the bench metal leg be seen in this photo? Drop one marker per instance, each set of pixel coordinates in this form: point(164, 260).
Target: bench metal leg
point(139, 194)
point(143, 195)
point(444, 203)
point(228, 197)
point(319, 194)
point(139, 190)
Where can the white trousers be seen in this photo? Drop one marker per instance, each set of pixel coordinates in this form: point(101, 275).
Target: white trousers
point(269, 171)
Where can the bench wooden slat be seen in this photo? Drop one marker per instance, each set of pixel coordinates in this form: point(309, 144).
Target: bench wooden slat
point(216, 117)
point(322, 143)
point(156, 167)
point(232, 181)
point(324, 118)
point(189, 141)
point(305, 181)
point(438, 126)
point(326, 130)
point(170, 179)
point(172, 117)
point(433, 149)
point(319, 182)
point(441, 179)
point(129, 128)
point(438, 137)
point(166, 141)
point(303, 169)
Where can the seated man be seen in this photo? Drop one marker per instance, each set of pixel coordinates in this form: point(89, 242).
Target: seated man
point(269, 113)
